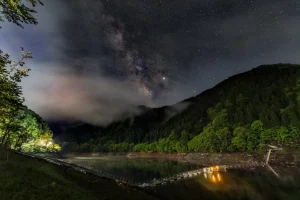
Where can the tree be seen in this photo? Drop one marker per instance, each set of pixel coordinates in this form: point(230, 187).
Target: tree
point(205, 141)
point(35, 135)
point(253, 138)
point(257, 126)
point(11, 74)
point(183, 141)
point(12, 131)
point(224, 138)
point(239, 141)
point(16, 12)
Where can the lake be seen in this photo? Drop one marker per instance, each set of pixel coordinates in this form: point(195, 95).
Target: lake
point(230, 184)
point(135, 169)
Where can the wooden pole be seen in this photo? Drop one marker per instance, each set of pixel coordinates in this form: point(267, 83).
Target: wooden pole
point(272, 170)
point(267, 163)
point(268, 156)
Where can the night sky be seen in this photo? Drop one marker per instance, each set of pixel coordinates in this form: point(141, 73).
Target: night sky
point(95, 59)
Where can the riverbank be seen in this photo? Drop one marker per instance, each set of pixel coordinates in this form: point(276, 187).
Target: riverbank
point(23, 177)
point(208, 159)
point(290, 157)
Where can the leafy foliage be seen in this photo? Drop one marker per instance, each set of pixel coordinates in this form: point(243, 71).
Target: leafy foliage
point(11, 97)
point(20, 128)
point(37, 136)
point(17, 12)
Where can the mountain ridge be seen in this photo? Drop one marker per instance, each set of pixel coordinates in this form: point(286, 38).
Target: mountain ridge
point(151, 126)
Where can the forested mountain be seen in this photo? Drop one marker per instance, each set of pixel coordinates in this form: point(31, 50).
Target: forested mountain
point(244, 112)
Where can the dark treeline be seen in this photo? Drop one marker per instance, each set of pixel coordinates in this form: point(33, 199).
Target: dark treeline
point(242, 113)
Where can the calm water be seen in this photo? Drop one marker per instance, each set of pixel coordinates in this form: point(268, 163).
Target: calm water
point(229, 184)
point(234, 184)
point(135, 169)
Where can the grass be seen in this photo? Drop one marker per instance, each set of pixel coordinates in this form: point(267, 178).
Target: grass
point(27, 178)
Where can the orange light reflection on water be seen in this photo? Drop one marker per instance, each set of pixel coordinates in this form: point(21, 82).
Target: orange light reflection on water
point(212, 174)
point(219, 177)
point(214, 177)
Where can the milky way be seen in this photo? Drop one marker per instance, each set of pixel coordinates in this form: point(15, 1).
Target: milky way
point(113, 41)
point(171, 45)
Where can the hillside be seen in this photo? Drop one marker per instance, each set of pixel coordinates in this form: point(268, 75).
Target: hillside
point(243, 112)
point(33, 133)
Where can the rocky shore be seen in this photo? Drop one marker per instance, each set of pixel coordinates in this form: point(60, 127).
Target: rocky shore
point(206, 159)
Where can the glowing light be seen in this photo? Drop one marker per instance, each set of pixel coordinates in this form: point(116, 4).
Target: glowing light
point(164, 78)
point(219, 177)
point(213, 178)
point(42, 143)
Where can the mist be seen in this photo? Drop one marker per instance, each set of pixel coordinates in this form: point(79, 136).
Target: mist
point(59, 93)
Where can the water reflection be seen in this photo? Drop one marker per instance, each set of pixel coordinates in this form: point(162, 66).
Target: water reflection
point(217, 182)
point(215, 178)
point(135, 169)
point(213, 174)
point(213, 182)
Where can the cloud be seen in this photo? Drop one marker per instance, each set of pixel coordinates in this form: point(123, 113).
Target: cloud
point(58, 93)
point(175, 109)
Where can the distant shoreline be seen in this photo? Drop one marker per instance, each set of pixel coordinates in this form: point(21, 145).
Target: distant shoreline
point(206, 159)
